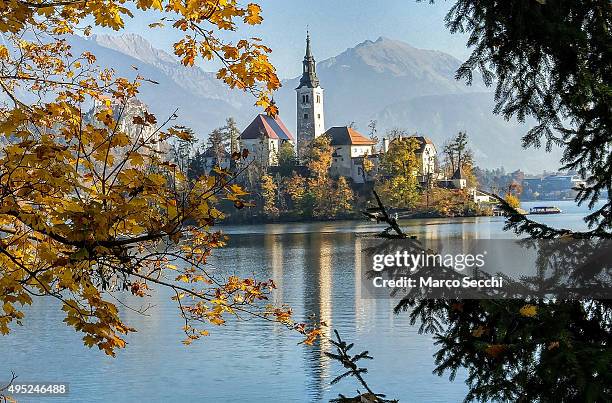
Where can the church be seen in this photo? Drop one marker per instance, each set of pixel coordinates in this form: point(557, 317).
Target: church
point(265, 135)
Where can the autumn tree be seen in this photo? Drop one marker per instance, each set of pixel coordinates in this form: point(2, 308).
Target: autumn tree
point(342, 201)
point(319, 160)
point(319, 157)
point(269, 195)
point(512, 200)
point(513, 193)
point(367, 167)
point(295, 187)
point(86, 211)
point(397, 174)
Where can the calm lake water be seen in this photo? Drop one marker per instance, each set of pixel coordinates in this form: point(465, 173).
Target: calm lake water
point(316, 267)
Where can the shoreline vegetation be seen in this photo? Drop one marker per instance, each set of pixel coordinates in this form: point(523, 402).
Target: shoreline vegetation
point(310, 190)
point(357, 216)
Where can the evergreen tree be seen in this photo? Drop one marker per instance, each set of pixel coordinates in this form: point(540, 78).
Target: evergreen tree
point(287, 160)
point(181, 151)
point(231, 133)
point(551, 62)
point(218, 142)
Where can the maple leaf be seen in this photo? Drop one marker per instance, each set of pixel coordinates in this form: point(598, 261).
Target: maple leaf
point(92, 195)
point(529, 311)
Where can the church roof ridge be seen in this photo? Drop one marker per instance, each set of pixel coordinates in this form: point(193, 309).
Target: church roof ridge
point(344, 135)
point(267, 126)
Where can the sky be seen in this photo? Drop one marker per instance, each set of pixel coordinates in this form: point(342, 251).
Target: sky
point(335, 25)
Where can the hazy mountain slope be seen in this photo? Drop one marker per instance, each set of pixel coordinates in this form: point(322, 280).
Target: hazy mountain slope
point(402, 86)
point(363, 80)
point(202, 101)
point(495, 142)
point(192, 79)
point(387, 80)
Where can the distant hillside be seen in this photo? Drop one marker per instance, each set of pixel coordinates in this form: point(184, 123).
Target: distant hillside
point(203, 101)
point(363, 80)
point(387, 80)
point(401, 86)
point(495, 142)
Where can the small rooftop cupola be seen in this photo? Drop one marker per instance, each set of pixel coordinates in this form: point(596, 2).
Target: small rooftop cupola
point(309, 74)
point(458, 179)
point(458, 174)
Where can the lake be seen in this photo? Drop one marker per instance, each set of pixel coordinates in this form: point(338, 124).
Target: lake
point(315, 266)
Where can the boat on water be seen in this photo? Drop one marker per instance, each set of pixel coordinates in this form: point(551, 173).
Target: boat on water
point(545, 210)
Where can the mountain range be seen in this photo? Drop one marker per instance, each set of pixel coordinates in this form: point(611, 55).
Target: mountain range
point(386, 80)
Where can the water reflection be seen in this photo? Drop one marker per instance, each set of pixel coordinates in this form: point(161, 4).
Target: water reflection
point(275, 263)
point(317, 268)
point(317, 304)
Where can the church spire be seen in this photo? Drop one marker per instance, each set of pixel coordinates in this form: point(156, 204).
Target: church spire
point(309, 76)
point(308, 54)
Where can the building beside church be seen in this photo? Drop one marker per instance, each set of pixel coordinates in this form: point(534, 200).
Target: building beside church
point(310, 114)
point(350, 147)
point(426, 155)
point(458, 179)
point(264, 138)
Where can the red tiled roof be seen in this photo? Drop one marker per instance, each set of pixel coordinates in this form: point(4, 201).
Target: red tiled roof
point(267, 126)
point(345, 135)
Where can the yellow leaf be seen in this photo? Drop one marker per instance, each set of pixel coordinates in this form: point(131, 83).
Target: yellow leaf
point(136, 159)
point(528, 311)
point(253, 17)
point(3, 52)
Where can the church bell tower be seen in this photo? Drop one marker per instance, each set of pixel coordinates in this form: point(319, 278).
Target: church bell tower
point(310, 118)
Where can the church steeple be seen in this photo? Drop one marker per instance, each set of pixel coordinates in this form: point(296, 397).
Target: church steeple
point(309, 75)
point(310, 116)
point(308, 54)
